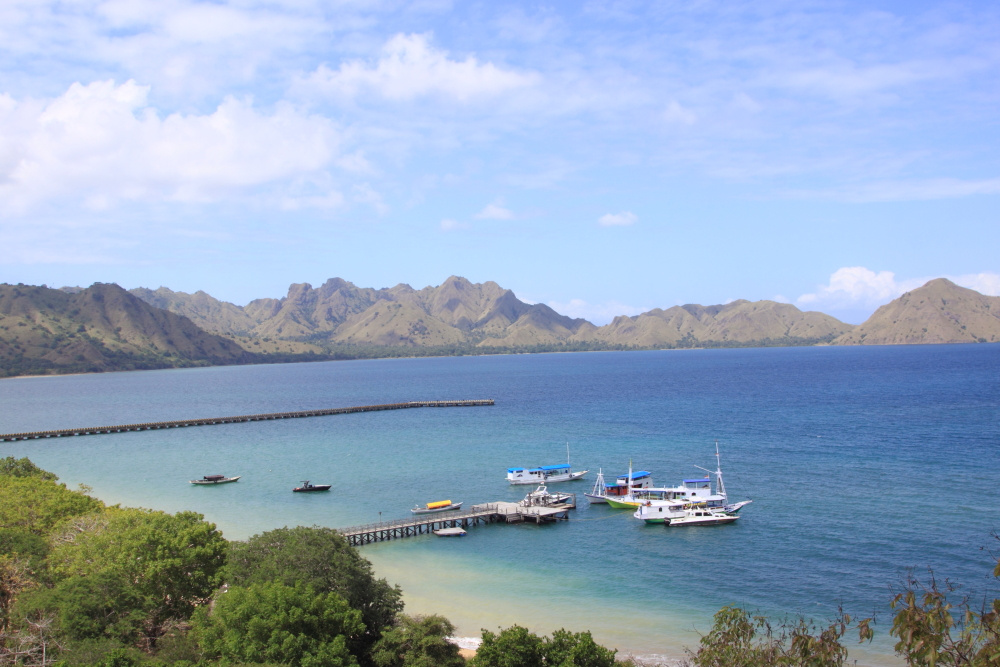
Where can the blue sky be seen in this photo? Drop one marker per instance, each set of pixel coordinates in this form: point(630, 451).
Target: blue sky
point(605, 158)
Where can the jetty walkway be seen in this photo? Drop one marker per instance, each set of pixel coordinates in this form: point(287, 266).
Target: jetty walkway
point(124, 428)
point(498, 512)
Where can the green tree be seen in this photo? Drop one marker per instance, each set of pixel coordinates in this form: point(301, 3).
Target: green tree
point(272, 622)
point(12, 467)
point(417, 641)
point(512, 647)
point(102, 605)
point(171, 562)
point(321, 558)
point(568, 649)
point(37, 505)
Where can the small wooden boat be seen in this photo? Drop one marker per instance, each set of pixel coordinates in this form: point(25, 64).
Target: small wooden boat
point(215, 479)
point(439, 506)
point(309, 486)
point(450, 532)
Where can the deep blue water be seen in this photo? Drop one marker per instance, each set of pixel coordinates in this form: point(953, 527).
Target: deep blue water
point(861, 461)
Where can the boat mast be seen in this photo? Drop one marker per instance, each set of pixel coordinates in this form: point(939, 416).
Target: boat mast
point(720, 487)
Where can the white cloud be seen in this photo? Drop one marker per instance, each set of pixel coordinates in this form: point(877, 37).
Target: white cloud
point(449, 225)
point(495, 211)
point(675, 113)
point(907, 190)
point(410, 67)
point(623, 219)
point(856, 287)
point(102, 143)
point(597, 313)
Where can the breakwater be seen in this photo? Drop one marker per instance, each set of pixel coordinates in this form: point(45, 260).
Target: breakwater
point(125, 428)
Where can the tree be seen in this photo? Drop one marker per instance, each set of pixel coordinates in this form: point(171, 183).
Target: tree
point(417, 641)
point(272, 622)
point(171, 562)
point(512, 647)
point(567, 649)
point(321, 558)
point(37, 505)
point(15, 577)
point(12, 467)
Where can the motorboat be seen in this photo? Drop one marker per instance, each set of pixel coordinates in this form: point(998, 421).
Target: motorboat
point(562, 472)
point(541, 497)
point(216, 479)
point(602, 491)
point(309, 486)
point(439, 506)
point(697, 515)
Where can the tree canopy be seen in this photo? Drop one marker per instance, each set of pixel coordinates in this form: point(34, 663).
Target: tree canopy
point(23, 467)
point(417, 641)
point(518, 647)
point(36, 504)
point(272, 622)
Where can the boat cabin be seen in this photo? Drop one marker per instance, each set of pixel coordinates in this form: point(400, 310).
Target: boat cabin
point(640, 480)
point(698, 488)
point(537, 475)
point(214, 478)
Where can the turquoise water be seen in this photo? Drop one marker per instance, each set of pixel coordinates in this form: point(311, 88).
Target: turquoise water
point(861, 462)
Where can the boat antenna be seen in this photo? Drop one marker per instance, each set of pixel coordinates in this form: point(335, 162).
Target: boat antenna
point(567, 454)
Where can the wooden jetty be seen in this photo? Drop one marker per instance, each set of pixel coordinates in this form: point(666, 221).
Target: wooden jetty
point(498, 512)
point(124, 428)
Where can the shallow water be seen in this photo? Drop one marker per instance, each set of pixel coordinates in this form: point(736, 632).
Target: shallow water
point(861, 462)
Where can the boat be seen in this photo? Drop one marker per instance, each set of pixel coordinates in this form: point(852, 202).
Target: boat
point(545, 474)
point(541, 497)
point(309, 486)
point(696, 515)
point(216, 479)
point(601, 491)
point(439, 506)
point(450, 532)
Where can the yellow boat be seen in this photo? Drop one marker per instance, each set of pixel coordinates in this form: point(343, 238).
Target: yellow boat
point(437, 506)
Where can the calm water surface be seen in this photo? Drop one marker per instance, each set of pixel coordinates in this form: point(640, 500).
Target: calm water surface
point(862, 462)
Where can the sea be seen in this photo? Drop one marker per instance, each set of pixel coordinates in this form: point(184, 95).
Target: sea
point(865, 465)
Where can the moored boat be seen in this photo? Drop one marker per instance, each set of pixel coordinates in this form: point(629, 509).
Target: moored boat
point(450, 532)
point(309, 486)
point(439, 506)
point(602, 492)
point(545, 474)
point(542, 497)
point(701, 516)
point(215, 479)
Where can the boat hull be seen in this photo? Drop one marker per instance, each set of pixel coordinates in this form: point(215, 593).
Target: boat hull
point(424, 510)
point(309, 489)
point(619, 504)
point(700, 521)
point(210, 482)
point(594, 498)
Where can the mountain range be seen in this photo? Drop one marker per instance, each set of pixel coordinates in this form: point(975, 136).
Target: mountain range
point(105, 327)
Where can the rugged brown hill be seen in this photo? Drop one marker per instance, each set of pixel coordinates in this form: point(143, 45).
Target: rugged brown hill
point(938, 312)
point(102, 327)
point(737, 322)
point(455, 312)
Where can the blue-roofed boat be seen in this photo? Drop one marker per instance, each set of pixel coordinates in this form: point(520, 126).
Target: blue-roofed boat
point(641, 479)
point(562, 472)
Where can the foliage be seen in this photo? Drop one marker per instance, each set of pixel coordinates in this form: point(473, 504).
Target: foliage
point(417, 641)
point(322, 559)
point(517, 647)
point(15, 577)
point(36, 505)
point(934, 631)
point(92, 607)
point(737, 638)
point(272, 622)
point(171, 562)
point(23, 467)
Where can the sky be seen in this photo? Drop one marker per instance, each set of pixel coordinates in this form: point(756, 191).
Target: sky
point(604, 158)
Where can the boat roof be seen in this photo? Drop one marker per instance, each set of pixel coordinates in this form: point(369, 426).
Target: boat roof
point(696, 481)
point(638, 473)
point(515, 469)
point(561, 466)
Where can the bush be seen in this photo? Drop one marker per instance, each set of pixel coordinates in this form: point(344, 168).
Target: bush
point(417, 641)
point(517, 647)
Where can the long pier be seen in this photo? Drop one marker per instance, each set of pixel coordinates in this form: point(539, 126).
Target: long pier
point(124, 428)
point(498, 512)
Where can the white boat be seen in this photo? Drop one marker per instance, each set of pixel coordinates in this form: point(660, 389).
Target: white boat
point(701, 516)
point(545, 474)
point(439, 506)
point(542, 497)
point(601, 491)
point(450, 532)
point(215, 479)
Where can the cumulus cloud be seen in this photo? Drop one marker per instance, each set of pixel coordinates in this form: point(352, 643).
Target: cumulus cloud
point(597, 313)
point(449, 225)
point(856, 287)
point(410, 67)
point(102, 143)
point(495, 211)
point(623, 219)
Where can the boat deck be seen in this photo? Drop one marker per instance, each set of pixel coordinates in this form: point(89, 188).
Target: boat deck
point(496, 512)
